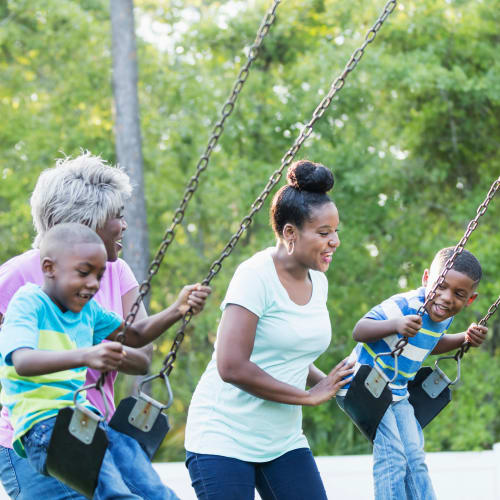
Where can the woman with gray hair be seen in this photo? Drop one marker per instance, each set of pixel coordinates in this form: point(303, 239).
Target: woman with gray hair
point(89, 191)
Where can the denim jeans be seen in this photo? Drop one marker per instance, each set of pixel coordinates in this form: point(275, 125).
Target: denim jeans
point(399, 469)
point(126, 472)
point(293, 476)
point(22, 482)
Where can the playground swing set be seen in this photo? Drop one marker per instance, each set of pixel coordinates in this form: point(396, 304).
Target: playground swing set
point(78, 444)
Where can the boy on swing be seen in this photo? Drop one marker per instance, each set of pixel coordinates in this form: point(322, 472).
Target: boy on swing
point(51, 334)
point(399, 469)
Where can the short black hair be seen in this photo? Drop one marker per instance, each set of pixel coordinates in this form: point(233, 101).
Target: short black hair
point(63, 237)
point(464, 262)
point(308, 184)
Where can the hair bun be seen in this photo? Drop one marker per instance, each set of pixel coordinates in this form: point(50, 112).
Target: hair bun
point(306, 175)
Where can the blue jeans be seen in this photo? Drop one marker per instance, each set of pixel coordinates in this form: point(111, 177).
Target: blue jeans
point(22, 482)
point(126, 472)
point(293, 476)
point(399, 469)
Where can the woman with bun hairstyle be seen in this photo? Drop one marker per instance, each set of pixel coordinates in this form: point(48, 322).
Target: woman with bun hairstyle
point(244, 428)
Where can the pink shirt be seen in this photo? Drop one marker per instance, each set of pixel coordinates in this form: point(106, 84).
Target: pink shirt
point(116, 282)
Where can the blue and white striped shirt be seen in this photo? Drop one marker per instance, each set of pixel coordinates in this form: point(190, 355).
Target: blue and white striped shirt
point(414, 353)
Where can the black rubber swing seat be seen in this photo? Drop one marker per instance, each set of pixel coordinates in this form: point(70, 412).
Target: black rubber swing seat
point(76, 461)
point(363, 407)
point(140, 419)
point(428, 402)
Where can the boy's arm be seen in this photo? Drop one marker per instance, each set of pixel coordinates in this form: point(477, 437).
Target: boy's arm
point(371, 330)
point(148, 329)
point(475, 336)
point(29, 362)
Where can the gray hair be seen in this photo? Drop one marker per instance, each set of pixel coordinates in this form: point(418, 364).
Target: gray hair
point(84, 189)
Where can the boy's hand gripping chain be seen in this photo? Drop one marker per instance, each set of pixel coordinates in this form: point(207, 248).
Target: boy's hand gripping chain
point(430, 389)
point(369, 396)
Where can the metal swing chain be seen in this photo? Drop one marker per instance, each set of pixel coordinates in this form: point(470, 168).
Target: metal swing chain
point(202, 164)
point(491, 311)
point(306, 131)
point(398, 348)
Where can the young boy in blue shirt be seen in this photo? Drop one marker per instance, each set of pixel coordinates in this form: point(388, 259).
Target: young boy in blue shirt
point(399, 469)
point(51, 334)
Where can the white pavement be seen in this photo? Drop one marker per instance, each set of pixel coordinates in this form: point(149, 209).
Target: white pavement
point(456, 476)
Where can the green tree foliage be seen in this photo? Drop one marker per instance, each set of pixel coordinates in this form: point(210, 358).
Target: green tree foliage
point(412, 139)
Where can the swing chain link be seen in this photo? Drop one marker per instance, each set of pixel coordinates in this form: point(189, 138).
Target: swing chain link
point(226, 110)
point(466, 346)
point(306, 131)
point(398, 348)
point(490, 313)
point(461, 351)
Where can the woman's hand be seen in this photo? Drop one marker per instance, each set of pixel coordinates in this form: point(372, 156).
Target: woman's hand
point(194, 297)
point(327, 388)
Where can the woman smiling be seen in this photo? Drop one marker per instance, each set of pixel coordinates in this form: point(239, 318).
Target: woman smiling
point(244, 428)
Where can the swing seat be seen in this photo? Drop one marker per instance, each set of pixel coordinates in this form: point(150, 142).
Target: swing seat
point(429, 394)
point(143, 420)
point(367, 400)
point(142, 417)
point(76, 450)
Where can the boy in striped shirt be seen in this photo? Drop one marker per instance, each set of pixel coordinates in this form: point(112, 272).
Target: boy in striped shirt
point(399, 468)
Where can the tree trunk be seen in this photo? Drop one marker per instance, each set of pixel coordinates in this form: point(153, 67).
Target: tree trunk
point(128, 132)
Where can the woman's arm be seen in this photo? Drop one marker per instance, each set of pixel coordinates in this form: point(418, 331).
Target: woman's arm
point(142, 332)
point(371, 330)
point(137, 361)
point(235, 342)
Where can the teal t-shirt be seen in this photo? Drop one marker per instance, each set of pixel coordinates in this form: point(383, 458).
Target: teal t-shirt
point(225, 420)
point(33, 321)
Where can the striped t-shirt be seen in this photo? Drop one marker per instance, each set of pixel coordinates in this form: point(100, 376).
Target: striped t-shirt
point(414, 353)
point(33, 321)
